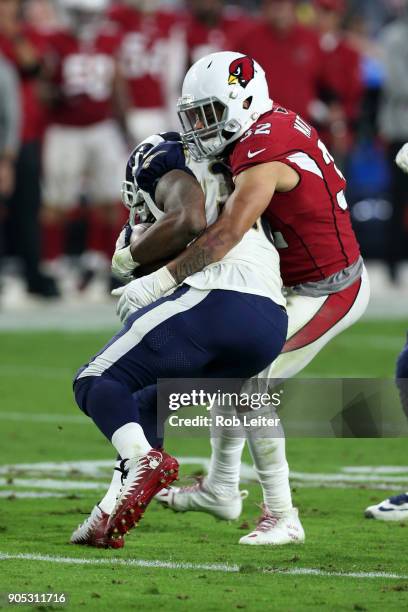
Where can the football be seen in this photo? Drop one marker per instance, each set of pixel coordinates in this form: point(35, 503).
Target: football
point(138, 230)
point(145, 269)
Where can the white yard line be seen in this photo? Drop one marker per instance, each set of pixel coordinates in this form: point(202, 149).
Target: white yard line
point(50, 483)
point(385, 486)
point(376, 469)
point(9, 494)
point(211, 567)
point(347, 477)
point(36, 475)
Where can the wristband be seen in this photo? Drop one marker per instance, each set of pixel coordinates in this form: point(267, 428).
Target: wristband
point(165, 280)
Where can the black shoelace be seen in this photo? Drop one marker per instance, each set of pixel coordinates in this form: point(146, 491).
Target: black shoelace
point(123, 471)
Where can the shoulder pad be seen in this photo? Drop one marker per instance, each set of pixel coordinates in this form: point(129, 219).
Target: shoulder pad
point(160, 160)
point(139, 153)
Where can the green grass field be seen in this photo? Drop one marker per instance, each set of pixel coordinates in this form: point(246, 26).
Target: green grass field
point(347, 563)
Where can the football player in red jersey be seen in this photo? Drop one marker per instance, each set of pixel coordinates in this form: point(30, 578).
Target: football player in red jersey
point(281, 170)
point(152, 60)
point(84, 146)
point(23, 48)
point(210, 25)
point(341, 78)
point(290, 55)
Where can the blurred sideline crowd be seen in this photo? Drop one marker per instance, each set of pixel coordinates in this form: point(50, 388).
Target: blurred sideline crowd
point(83, 81)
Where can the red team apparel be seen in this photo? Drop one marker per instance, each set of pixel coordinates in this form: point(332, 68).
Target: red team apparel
point(203, 39)
point(292, 62)
point(342, 77)
point(84, 73)
point(311, 224)
point(83, 145)
point(146, 53)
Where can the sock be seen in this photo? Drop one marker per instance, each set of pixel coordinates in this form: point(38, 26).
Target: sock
point(107, 503)
point(130, 441)
point(227, 446)
point(271, 466)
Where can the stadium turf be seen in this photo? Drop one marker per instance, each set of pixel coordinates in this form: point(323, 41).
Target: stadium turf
point(191, 561)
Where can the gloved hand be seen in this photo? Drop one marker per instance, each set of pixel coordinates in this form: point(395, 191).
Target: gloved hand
point(402, 158)
point(122, 261)
point(143, 292)
point(123, 239)
point(123, 264)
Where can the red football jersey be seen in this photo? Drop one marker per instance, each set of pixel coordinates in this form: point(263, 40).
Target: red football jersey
point(203, 40)
point(342, 73)
point(311, 224)
point(83, 71)
point(292, 62)
point(150, 44)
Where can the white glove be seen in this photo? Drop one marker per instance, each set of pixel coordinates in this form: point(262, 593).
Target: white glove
point(121, 240)
point(123, 263)
point(402, 158)
point(143, 292)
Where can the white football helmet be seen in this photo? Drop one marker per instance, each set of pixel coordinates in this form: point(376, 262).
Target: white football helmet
point(223, 95)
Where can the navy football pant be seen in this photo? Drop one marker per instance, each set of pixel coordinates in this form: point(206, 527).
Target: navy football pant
point(190, 334)
point(146, 402)
point(402, 377)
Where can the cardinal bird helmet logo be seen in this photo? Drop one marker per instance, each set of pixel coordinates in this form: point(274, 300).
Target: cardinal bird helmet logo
point(241, 71)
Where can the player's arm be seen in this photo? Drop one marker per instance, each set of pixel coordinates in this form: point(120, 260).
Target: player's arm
point(182, 200)
point(179, 195)
point(254, 189)
point(120, 100)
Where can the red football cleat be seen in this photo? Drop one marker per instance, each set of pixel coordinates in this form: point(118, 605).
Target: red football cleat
point(92, 531)
point(146, 476)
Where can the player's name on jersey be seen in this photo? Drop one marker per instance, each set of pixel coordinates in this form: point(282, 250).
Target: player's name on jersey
point(223, 421)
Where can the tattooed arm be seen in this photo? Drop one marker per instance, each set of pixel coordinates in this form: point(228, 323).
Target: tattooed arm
point(254, 189)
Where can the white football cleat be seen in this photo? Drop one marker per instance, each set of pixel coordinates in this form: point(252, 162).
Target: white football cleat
point(92, 531)
point(274, 530)
point(198, 498)
point(146, 476)
point(392, 509)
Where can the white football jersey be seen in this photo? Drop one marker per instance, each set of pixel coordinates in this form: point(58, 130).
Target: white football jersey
point(250, 267)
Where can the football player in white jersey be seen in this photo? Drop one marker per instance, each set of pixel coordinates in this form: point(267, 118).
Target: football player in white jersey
point(202, 318)
point(148, 169)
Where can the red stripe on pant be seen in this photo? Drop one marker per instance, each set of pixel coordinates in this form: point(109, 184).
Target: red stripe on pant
point(332, 311)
